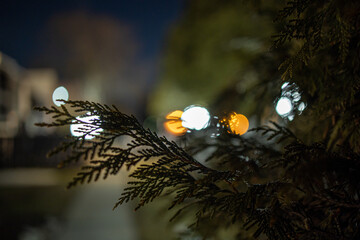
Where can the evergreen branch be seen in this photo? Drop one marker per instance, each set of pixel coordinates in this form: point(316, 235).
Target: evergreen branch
point(267, 204)
point(277, 131)
point(336, 203)
point(343, 36)
point(172, 166)
point(292, 63)
point(296, 7)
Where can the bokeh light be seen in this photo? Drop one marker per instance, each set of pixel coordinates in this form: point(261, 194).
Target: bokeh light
point(60, 93)
point(283, 106)
point(238, 123)
point(290, 99)
point(173, 123)
point(285, 84)
point(301, 107)
point(77, 129)
point(195, 117)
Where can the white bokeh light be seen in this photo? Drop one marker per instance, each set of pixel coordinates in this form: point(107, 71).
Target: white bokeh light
point(295, 95)
point(195, 117)
point(284, 106)
point(76, 129)
point(60, 93)
point(285, 84)
point(301, 107)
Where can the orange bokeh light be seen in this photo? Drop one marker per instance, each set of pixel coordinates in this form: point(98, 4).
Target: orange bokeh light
point(238, 123)
point(173, 123)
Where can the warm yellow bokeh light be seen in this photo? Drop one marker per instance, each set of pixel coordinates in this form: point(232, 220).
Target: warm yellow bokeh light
point(173, 123)
point(238, 123)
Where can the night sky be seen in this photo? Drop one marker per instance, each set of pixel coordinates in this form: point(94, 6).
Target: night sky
point(23, 21)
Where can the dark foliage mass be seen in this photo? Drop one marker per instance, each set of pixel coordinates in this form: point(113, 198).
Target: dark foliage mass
point(295, 182)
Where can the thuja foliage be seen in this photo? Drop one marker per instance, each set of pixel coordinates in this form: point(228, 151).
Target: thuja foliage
point(275, 182)
point(324, 63)
point(277, 194)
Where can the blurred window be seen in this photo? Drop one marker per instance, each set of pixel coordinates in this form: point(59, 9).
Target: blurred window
point(4, 80)
point(4, 88)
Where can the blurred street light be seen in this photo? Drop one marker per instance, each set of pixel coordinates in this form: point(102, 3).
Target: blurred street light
point(195, 117)
point(79, 129)
point(238, 123)
point(173, 123)
point(60, 93)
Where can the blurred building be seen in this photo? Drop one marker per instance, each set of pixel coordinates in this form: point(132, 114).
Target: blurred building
point(20, 90)
point(9, 85)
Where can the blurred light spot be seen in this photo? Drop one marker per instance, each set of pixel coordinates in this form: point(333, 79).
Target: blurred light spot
point(284, 106)
point(60, 93)
point(195, 117)
point(296, 96)
point(80, 129)
point(173, 123)
point(290, 98)
point(301, 107)
point(238, 123)
point(284, 85)
point(214, 135)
